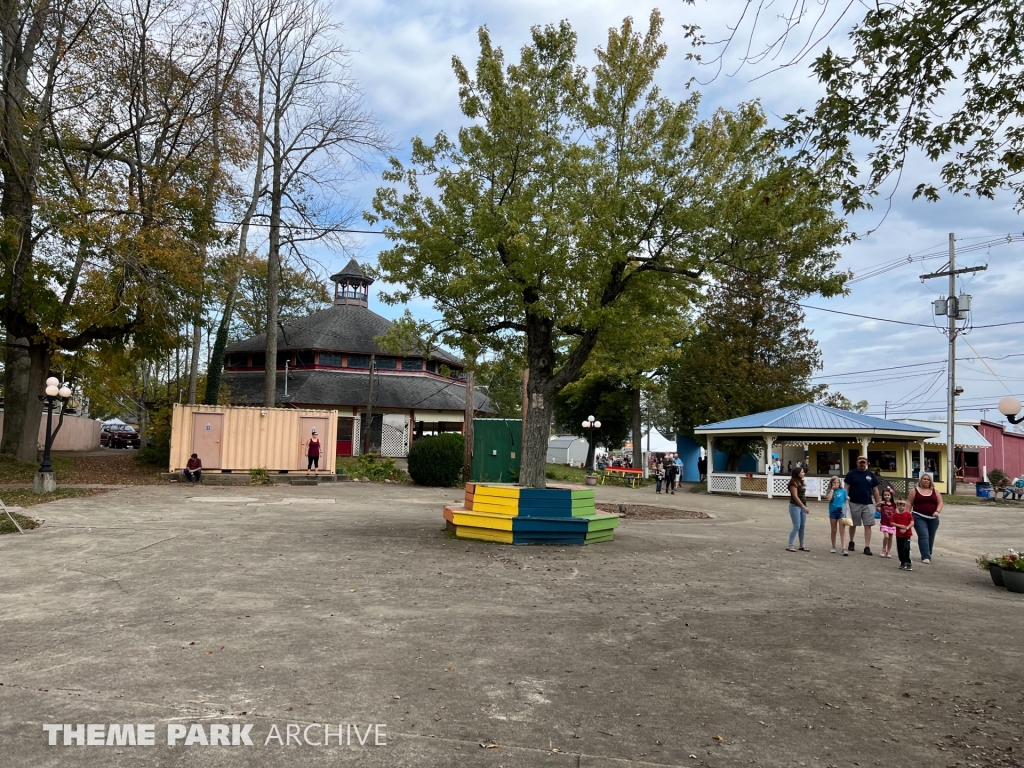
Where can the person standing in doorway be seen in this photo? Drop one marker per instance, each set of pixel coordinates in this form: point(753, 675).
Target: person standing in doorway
point(926, 503)
point(313, 452)
point(861, 487)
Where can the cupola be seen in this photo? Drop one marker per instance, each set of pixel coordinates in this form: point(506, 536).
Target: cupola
point(351, 286)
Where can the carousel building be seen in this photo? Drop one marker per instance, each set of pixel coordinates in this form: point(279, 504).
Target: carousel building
point(325, 360)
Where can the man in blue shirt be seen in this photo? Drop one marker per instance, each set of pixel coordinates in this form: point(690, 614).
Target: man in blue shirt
point(861, 485)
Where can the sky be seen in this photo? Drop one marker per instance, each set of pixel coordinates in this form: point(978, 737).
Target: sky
point(401, 55)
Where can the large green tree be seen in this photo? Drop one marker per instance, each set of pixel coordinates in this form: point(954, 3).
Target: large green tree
point(751, 353)
point(570, 193)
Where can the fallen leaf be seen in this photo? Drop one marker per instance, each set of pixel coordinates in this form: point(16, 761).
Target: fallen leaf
point(398, 697)
point(716, 737)
point(492, 745)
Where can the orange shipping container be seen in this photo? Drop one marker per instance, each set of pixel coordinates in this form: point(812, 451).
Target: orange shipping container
point(241, 438)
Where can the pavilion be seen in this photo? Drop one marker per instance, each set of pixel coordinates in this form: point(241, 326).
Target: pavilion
point(828, 440)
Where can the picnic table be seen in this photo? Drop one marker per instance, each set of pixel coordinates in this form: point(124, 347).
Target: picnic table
point(625, 475)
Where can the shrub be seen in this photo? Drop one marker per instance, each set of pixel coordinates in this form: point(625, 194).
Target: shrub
point(437, 461)
point(260, 476)
point(998, 478)
point(376, 469)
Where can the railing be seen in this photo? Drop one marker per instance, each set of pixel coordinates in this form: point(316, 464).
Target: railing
point(772, 486)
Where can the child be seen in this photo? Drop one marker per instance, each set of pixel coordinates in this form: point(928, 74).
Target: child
point(887, 509)
point(659, 477)
point(903, 521)
point(836, 501)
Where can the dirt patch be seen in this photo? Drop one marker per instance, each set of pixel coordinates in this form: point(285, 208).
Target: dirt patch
point(116, 468)
point(645, 512)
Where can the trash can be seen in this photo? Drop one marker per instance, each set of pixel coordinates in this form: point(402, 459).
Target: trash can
point(983, 490)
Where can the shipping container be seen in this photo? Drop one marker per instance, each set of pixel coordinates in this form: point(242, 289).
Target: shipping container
point(496, 450)
point(237, 438)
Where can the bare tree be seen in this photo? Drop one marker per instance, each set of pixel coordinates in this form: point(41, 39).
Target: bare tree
point(317, 134)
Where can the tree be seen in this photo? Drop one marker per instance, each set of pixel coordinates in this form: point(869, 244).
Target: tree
point(571, 193)
point(938, 76)
point(316, 133)
point(607, 399)
point(751, 353)
point(843, 403)
point(299, 294)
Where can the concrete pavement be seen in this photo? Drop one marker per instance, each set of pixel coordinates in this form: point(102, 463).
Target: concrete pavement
point(691, 642)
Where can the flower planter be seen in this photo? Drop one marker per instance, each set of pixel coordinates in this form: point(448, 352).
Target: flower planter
point(591, 480)
point(997, 575)
point(1014, 580)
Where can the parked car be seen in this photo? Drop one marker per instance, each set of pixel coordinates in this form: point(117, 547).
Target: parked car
point(119, 436)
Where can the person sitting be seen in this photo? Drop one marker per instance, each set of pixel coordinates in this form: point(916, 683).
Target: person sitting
point(1014, 488)
point(193, 470)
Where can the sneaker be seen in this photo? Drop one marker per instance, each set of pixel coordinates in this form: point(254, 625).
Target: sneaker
point(845, 553)
point(852, 548)
point(833, 550)
point(903, 566)
point(927, 560)
point(867, 551)
point(909, 567)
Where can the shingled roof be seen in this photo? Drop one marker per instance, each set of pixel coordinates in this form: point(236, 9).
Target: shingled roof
point(339, 328)
point(333, 388)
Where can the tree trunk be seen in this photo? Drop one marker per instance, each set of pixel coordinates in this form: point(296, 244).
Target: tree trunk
point(273, 268)
point(216, 366)
point(638, 430)
point(467, 429)
point(25, 371)
point(193, 373)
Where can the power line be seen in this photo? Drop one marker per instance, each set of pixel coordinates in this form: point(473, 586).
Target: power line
point(916, 365)
point(902, 322)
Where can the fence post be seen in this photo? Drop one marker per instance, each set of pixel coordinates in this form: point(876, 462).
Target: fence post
point(739, 486)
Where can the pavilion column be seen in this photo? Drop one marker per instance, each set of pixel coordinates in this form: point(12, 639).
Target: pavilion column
point(864, 441)
point(769, 442)
point(711, 458)
point(920, 473)
point(842, 459)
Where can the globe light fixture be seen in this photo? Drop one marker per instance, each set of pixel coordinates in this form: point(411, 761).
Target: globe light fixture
point(45, 481)
point(52, 390)
point(1010, 407)
point(64, 392)
point(591, 423)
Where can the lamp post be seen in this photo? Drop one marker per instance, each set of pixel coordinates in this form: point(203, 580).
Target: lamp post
point(591, 424)
point(45, 482)
point(1010, 408)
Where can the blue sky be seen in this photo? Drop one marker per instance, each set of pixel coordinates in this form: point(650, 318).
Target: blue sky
point(402, 56)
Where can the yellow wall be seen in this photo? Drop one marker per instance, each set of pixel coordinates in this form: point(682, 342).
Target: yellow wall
point(902, 470)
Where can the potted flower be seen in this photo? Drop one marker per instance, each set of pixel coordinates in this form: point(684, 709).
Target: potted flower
point(1013, 571)
point(988, 563)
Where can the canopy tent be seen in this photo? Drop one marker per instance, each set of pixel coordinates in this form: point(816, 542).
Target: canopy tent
point(658, 442)
point(114, 420)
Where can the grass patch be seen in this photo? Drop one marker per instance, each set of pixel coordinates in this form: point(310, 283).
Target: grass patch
point(14, 471)
point(24, 497)
point(698, 488)
point(566, 474)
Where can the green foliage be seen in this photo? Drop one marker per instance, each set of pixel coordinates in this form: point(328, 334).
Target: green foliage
point(156, 449)
point(843, 403)
point(501, 377)
point(941, 77)
point(259, 476)
point(300, 293)
point(438, 460)
point(1011, 561)
point(375, 468)
point(998, 478)
point(14, 471)
point(750, 354)
point(606, 398)
point(536, 235)
point(566, 474)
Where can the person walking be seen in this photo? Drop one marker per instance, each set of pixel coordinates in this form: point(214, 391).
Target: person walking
point(313, 452)
point(670, 475)
point(926, 503)
point(836, 506)
point(702, 468)
point(659, 477)
point(861, 486)
point(193, 470)
point(679, 469)
point(798, 510)
point(904, 524)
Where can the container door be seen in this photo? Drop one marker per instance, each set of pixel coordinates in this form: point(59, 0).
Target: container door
point(306, 426)
point(207, 437)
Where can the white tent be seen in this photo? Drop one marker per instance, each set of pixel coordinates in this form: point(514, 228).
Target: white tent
point(659, 443)
point(114, 420)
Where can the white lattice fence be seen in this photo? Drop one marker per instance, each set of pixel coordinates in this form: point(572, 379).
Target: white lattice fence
point(780, 485)
point(722, 483)
point(394, 437)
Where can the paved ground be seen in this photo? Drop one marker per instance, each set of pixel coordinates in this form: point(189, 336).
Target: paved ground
point(682, 643)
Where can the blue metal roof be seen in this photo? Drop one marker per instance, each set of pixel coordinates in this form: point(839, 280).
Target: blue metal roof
point(814, 416)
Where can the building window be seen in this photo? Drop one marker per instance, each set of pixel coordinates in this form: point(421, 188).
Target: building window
point(412, 363)
point(332, 359)
point(345, 427)
point(432, 366)
point(932, 464)
point(883, 461)
point(388, 363)
point(238, 360)
point(259, 360)
point(828, 462)
point(358, 361)
point(304, 357)
point(284, 357)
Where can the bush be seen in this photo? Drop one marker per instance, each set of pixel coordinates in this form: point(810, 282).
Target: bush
point(437, 461)
point(376, 469)
point(998, 478)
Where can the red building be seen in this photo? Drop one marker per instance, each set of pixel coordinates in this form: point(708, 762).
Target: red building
point(1007, 451)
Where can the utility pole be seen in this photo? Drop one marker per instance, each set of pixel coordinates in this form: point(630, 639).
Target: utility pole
point(369, 409)
point(954, 308)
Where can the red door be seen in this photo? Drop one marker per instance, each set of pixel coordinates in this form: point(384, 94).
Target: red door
point(345, 425)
